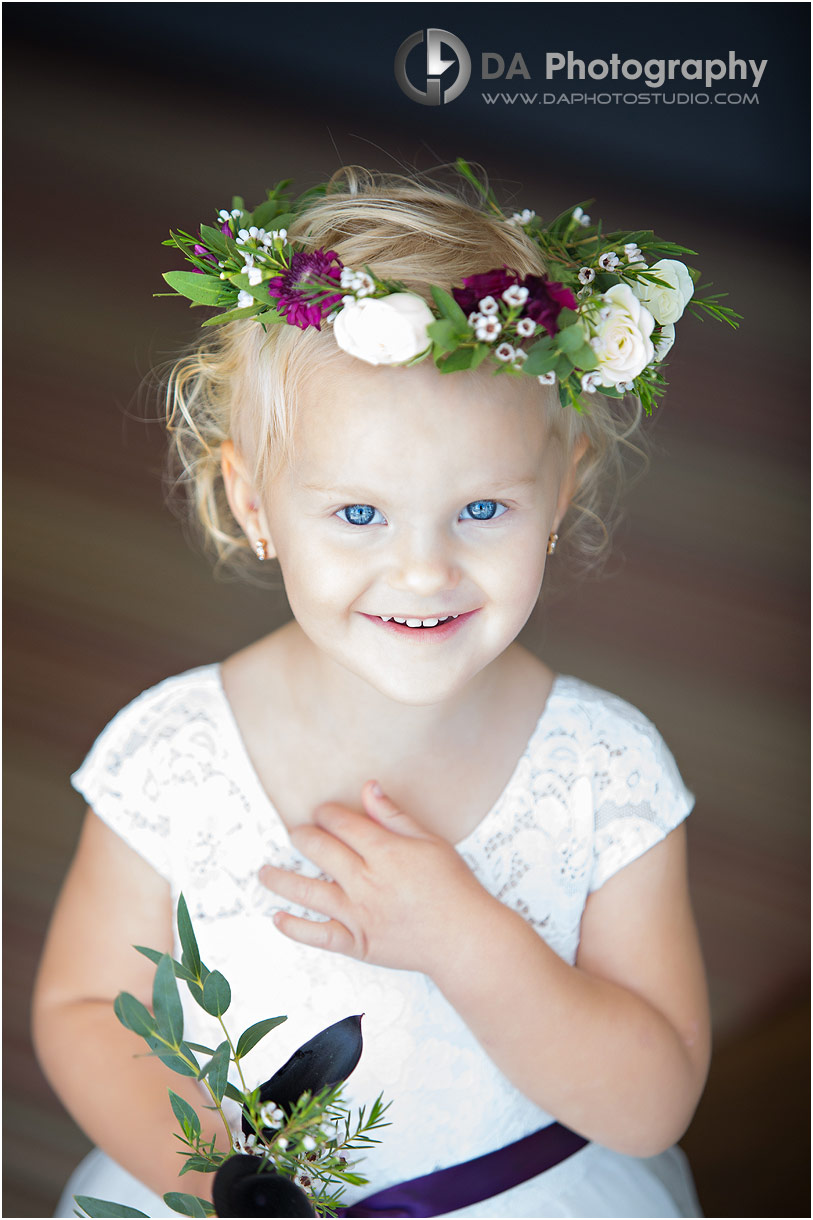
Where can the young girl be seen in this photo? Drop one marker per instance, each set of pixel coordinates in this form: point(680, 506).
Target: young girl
point(388, 805)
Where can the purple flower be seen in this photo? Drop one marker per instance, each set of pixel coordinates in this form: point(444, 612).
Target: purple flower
point(302, 293)
point(202, 252)
point(489, 284)
point(545, 300)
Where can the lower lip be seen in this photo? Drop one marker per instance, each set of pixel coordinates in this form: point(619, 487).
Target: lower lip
point(424, 634)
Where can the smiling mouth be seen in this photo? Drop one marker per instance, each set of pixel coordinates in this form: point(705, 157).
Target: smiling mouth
point(416, 622)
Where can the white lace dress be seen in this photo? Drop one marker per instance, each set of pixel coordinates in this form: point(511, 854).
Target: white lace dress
point(594, 789)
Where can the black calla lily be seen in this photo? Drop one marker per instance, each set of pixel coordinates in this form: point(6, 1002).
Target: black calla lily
point(241, 1190)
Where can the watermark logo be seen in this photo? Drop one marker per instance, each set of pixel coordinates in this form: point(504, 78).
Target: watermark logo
point(434, 67)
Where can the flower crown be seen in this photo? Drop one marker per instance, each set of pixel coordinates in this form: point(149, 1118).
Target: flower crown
point(603, 321)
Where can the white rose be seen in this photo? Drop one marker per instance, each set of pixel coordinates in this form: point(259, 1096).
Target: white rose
point(624, 347)
point(384, 330)
point(666, 304)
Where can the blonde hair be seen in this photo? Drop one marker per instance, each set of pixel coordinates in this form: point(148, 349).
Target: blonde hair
point(241, 383)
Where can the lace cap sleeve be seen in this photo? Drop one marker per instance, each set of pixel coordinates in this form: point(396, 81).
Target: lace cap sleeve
point(639, 794)
point(131, 771)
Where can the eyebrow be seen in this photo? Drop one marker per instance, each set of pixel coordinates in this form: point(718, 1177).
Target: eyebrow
point(498, 487)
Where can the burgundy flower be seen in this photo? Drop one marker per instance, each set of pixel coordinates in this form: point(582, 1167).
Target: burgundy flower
point(545, 301)
point(202, 252)
point(300, 291)
point(489, 284)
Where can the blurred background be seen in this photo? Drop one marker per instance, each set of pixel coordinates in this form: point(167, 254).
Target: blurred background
point(122, 120)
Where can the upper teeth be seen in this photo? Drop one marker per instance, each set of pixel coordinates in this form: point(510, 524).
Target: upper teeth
point(416, 622)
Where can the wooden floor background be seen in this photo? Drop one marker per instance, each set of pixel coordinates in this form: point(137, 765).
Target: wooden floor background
point(702, 621)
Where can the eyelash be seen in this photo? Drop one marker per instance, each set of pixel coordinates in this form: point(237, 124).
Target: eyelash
point(471, 504)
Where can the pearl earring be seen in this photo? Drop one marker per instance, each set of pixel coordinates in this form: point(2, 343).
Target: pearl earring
point(261, 549)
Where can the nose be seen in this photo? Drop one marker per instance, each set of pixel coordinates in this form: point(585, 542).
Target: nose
point(424, 563)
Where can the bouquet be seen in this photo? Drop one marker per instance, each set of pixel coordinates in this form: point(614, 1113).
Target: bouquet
point(293, 1154)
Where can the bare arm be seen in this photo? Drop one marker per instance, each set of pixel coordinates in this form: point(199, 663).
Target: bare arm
point(111, 900)
point(616, 1047)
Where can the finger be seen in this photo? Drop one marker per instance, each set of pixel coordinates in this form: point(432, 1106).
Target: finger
point(325, 897)
point(356, 831)
point(331, 935)
point(329, 853)
point(379, 806)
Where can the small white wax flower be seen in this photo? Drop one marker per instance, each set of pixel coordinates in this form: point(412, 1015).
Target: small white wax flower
point(474, 318)
point(526, 327)
point(236, 212)
point(590, 382)
point(581, 216)
point(633, 252)
point(255, 276)
point(223, 214)
point(282, 1143)
point(488, 306)
point(244, 299)
point(515, 295)
point(346, 278)
point(384, 330)
point(309, 1143)
point(625, 386)
point(364, 284)
point(519, 357)
point(278, 234)
point(608, 261)
point(524, 217)
point(546, 378)
point(666, 304)
point(504, 352)
point(586, 275)
point(488, 329)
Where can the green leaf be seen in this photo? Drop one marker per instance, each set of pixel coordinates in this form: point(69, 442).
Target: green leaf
point(173, 1058)
point(260, 293)
point(155, 955)
point(443, 334)
point(216, 994)
point(217, 1070)
point(202, 289)
point(190, 955)
point(566, 317)
point(198, 1046)
point(571, 338)
point(462, 358)
point(234, 1094)
point(214, 240)
point(251, 1036)
point(449, 308)
point(187, 1205)
point(184, 1112)
point(132, 1014)
point(198, 1164)
point(542, 357)
point(100, 1207)
point(234, 315)
point(166, 1002)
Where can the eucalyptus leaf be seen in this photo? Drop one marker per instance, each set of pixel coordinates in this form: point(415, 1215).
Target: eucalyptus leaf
point(166, 1001)
point(217, 1070)
point(175, 1059)
point(184, 1112)
point(216, 994)
point(234, 315)
point(155, 955)
point(462, 358)
point(443, 334)
point(541, 360)
point(202, 289)
point(187, 1205)
point(233, 1093)
point(566, 317)
point(101, 1207)
point(251, 1036)
point(190, 955)
point(132, 1013)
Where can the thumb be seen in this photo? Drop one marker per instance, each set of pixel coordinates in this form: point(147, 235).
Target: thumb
point(384, 811)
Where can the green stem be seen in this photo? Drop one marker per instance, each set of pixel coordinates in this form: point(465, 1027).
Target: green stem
point(234, 1056)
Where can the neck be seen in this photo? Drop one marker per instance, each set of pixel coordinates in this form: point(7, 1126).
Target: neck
point(333, 698)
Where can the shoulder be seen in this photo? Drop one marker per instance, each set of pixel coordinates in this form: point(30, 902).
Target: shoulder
point(186, 707)
point(622, 777)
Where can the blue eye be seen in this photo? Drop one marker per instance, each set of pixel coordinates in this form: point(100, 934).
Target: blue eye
point(360, 514)
point(483, 510)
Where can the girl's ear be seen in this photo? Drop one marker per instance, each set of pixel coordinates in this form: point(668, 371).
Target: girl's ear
point(569, 480)
point(244, 501)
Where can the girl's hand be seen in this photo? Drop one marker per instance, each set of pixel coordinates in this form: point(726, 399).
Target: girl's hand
point(399, 897)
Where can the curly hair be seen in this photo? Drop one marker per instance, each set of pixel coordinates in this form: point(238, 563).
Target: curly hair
point(242, 383)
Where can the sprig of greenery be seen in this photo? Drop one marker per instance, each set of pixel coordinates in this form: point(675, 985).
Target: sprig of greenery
point(310, 1144)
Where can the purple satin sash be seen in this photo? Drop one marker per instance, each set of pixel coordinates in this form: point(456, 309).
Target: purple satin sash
point(448, 1190)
